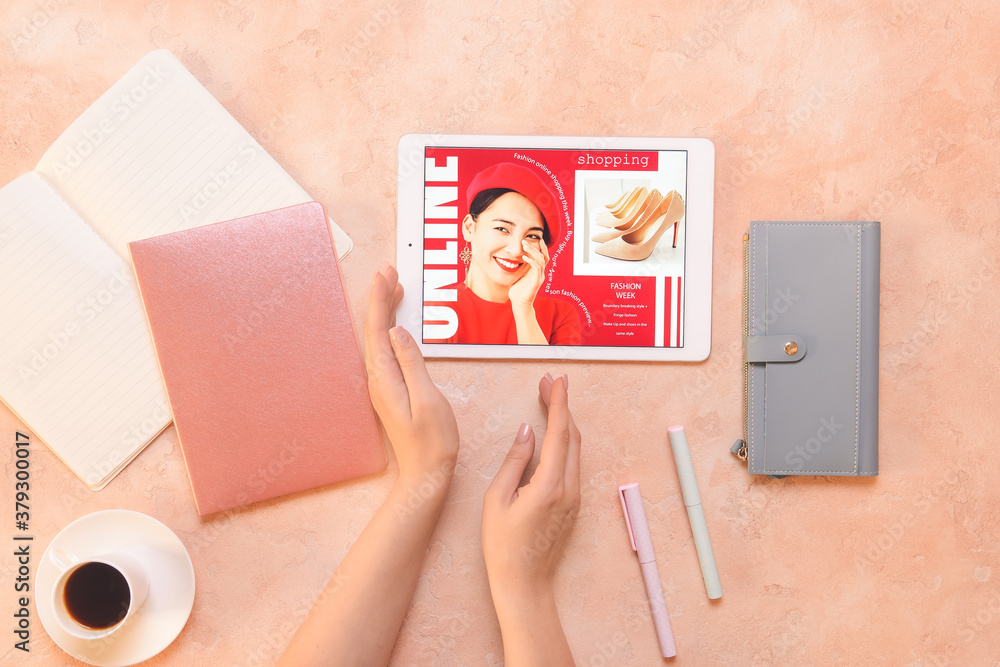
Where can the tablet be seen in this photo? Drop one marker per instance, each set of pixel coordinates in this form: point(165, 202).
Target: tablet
point(556, 247)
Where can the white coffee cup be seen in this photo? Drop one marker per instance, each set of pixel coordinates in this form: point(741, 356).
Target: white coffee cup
point(73, 610)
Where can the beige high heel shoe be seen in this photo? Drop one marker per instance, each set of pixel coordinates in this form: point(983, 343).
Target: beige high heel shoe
point(621, 200)
point(637, 245)
point(648, 208)
point(613, 218)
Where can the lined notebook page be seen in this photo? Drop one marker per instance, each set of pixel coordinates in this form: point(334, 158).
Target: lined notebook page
point(158, 154)
point(76, 362)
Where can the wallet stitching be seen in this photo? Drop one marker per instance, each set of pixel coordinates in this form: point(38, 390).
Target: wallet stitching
point(857, 393)
point(753, 310)
point(857, 357)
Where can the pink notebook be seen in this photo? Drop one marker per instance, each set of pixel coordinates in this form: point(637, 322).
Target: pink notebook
point(254, 339)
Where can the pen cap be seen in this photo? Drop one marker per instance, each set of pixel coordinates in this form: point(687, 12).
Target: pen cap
point(635, 521)
point(685, 469)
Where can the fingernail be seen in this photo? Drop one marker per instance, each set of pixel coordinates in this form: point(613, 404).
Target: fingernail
point(523, 433)
point(549, 378)
point(399, 337)
point(565, 381)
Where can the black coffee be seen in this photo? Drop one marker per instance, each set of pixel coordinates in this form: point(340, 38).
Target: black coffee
point(96, 596)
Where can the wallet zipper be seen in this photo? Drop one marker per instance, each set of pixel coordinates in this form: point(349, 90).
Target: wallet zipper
point(742, 452)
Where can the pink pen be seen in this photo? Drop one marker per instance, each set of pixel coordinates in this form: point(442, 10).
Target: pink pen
point(642, 542)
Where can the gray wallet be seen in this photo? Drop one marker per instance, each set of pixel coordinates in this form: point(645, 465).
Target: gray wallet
point(810, 326)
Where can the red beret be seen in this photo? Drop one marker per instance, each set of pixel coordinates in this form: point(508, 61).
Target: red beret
point(523, 181)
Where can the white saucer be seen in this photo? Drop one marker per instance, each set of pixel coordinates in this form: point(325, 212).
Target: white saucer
point(171, 586)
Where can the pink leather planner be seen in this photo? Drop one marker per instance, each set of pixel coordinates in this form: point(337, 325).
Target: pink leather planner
point(258, 354)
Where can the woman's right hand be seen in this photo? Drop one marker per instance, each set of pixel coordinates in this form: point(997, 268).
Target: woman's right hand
point(525, 531)
point(522, 293)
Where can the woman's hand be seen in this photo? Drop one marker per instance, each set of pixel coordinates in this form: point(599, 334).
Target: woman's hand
point(418, 419)
point(522, 293)
point(525, 531)
point(360, 611)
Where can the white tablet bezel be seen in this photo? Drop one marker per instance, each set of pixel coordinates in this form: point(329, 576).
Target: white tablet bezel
point(697, 283)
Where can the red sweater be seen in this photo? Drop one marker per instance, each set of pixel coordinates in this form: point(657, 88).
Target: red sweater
point(487, 322)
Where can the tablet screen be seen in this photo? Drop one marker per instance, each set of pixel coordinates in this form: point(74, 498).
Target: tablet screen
point(554, 246)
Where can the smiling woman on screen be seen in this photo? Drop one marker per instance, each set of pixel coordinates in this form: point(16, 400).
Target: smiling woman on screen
point(512, 221)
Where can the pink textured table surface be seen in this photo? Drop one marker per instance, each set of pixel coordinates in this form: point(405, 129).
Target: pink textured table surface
point(862, 110)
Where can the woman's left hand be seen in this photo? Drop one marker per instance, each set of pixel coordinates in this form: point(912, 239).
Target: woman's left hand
point(359, 613)
point(417, 418)
point(522, 293)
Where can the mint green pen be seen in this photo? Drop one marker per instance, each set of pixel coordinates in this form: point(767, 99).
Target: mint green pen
point(692, 500)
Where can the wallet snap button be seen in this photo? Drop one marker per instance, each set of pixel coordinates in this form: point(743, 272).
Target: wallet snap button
point(791, 348)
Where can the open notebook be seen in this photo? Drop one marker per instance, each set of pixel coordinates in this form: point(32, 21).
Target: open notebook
point(155, 154)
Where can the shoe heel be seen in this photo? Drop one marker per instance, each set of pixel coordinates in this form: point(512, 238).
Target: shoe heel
point(626, 211)
point(634, 221)
point(639, 244)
